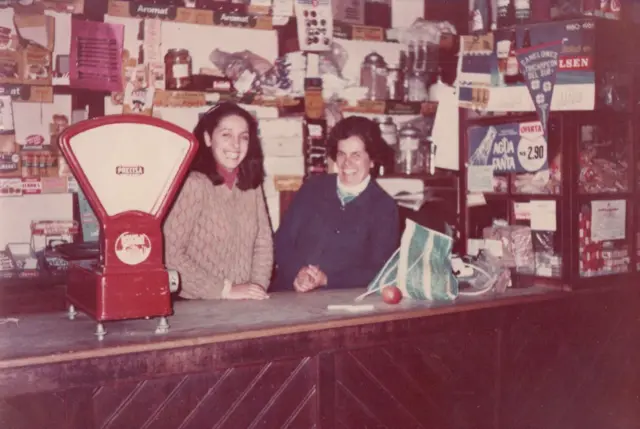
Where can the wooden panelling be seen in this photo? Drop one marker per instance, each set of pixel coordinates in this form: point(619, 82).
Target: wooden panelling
point(275, 395)
point(577, 371)
point(563, 363)
point(440, 380)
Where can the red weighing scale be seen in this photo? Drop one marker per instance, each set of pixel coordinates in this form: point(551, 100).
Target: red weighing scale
point(130, 168)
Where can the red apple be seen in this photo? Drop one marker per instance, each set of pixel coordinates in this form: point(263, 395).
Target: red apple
point(391, 295)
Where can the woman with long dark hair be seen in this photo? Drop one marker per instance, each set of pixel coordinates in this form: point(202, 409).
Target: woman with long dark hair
point(217, 235)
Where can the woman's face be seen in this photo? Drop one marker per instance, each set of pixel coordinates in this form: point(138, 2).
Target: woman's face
point(353, 161)
point(229, 141)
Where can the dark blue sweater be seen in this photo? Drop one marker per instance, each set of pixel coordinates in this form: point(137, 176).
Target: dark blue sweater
point(349, 243)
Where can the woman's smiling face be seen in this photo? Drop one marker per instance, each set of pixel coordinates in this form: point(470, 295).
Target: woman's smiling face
point(353, 161)
point(229, 141)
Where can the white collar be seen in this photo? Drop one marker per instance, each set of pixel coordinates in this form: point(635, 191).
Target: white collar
point(354, 189)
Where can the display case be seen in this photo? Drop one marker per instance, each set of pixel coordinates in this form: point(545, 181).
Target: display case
point(575, 189)
point(514, 176)
point(579, 204)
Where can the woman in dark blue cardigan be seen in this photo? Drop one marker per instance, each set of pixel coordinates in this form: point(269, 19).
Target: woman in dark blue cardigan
point(339, 229)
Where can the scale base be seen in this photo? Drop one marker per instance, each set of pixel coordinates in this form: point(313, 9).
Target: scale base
point(121, 295)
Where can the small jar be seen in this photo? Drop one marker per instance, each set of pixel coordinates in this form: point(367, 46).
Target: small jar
point(177, 63)
point(389, 132)
point(410, 154)
point(373, 76)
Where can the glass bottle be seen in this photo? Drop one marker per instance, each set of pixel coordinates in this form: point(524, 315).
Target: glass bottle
point(417, 83)
point(410, 156)
point(373, 76)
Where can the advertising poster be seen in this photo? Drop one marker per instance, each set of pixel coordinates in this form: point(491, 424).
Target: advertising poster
point(96, 55)
point(508, 148)
point(500, 73)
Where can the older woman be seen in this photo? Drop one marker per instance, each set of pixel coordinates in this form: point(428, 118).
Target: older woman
point(217, 235)
point(340, 229)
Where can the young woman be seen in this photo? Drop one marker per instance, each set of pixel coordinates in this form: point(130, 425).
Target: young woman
point(217, 235)
point(340, 229)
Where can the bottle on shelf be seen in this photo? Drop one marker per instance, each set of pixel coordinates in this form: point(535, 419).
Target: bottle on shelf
point(395, 83)
point(389, 131)
point(526, 43)
point(506, 13)
point(436, 90)
point(373, 76)
point(411, 155)
point(479, 16)
point(512, 72)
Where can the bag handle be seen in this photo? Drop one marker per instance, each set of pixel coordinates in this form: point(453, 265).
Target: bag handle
point(382, 277)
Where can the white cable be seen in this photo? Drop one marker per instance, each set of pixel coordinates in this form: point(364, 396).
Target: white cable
point(490, 282)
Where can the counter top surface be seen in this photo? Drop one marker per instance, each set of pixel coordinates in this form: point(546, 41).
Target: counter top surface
point(52, 337)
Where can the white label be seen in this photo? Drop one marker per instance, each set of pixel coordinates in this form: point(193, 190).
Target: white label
point(480, 178)
point(244, 81)
point(180, 71)
point(543, 215)
point(608, 220)
point(133, 249)
point(532, 153)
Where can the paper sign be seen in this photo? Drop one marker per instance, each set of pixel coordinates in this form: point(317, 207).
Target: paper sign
point(480, 178)
point(608, 220)
point(96, 55)
point(475, 200)
point(543, 215)
point(522, 211)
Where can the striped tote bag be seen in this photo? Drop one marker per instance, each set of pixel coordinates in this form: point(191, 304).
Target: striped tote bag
point(421, 267)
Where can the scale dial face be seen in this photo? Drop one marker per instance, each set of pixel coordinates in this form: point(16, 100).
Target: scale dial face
point(130, 166)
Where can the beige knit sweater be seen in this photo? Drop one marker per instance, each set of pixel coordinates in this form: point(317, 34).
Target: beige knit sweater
point(215, 233)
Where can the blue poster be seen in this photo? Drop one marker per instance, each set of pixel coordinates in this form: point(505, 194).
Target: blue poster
point(509, 148)
point(539, 65)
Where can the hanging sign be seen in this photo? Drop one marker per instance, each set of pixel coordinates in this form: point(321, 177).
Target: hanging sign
point(539, 66)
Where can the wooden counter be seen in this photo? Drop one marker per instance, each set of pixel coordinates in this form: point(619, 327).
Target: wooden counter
point(532, 358)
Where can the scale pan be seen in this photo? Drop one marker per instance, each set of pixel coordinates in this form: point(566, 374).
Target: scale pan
point(128, 162)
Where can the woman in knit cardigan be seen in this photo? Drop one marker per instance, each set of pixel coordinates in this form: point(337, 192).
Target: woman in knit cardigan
point(217, 235)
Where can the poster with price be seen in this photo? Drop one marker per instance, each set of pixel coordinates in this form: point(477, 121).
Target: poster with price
point(509, 148)
point(96, 56)
point(539, 65)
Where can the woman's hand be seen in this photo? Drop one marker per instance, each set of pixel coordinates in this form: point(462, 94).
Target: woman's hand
point(309, 278)
point(319, 277)
point(304, 282)
point(247, 291)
